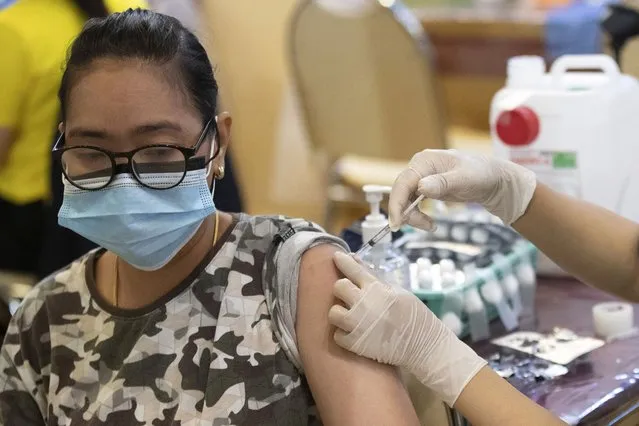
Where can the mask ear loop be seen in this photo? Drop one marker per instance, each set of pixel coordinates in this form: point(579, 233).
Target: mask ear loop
point(210, 160)
point(212, 187)
point(212, 153)
point(210, 166)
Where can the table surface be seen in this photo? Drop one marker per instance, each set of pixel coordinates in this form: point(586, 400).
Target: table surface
point(607, 379)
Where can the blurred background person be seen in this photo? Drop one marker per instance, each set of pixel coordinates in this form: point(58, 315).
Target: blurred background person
point(35, 35)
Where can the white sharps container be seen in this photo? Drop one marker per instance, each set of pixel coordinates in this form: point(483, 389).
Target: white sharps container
point(576, 127)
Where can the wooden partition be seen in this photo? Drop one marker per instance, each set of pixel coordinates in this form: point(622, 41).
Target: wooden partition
point(472, 50)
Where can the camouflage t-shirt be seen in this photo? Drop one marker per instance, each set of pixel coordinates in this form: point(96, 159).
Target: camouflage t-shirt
point(208, 353)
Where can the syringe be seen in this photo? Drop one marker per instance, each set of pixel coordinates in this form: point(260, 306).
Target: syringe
point(385, 230)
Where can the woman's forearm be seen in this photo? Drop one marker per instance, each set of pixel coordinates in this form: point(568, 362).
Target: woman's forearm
point(490, 400)
point(590, 242)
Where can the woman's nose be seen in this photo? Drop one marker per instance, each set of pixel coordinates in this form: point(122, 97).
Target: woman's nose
point(121, 160)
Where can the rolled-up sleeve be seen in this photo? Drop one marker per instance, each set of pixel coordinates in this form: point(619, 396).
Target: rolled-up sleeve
point(282, 278)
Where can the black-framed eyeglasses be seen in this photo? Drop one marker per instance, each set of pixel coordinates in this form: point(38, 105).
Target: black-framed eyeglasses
point(160, 166)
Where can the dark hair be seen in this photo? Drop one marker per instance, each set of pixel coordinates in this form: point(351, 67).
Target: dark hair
point(150, 37)
point(92, 8)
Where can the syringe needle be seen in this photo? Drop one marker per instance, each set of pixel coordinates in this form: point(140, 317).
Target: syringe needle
point(376, 238)
point(385, 230)
point(411, 207)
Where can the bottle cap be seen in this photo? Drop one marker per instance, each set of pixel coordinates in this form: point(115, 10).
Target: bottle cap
point(525, 71)
point(375, 221)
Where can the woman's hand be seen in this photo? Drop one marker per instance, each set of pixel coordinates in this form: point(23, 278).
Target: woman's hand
point(394, 327)
point(503, 188)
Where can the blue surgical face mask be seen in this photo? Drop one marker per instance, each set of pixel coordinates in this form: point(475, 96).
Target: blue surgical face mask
point(145, 227)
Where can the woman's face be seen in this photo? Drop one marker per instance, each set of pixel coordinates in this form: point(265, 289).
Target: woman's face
point(123, 105)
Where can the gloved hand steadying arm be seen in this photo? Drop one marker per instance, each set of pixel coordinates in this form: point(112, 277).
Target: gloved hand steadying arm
point(394, 327)
point(503, 188)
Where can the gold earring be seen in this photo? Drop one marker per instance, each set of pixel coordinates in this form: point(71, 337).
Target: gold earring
point(220, 173)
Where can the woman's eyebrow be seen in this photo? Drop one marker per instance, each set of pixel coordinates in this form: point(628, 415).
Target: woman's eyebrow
point(139, 130)
point(157, 126)
point(87, 133)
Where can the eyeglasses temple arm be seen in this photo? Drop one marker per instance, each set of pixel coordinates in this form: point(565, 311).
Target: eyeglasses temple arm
point(58, 142)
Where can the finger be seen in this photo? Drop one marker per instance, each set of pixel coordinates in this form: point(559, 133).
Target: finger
point(338, 316)
point(441, 185)
point(353, 270)
point(402, 193)
point(422, 221)
point(342, 339)
point(347, 292)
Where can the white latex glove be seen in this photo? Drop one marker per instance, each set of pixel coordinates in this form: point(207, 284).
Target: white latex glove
point(503, 188)
point(392, 326)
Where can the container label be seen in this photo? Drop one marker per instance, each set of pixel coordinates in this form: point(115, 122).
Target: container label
point(556, 169)
point(564, 160)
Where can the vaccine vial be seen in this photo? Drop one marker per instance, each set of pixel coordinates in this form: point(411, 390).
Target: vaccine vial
point(389, 265)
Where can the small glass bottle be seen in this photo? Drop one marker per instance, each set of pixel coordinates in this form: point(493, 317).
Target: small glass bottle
point(389, 265)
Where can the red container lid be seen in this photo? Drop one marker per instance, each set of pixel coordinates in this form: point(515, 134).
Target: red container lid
point(517, 127)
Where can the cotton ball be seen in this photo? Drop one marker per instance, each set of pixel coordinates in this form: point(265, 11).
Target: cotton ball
point(425, 278)
point(473, 302)
point(453, 322)
point(481, 217)
point(448, 279)
point(511, 285)
point(447, 265)
point(441, 232)
point(479, 235)
point(470, 270)
point(459, 233)
point(526, 274)
point(424, 264)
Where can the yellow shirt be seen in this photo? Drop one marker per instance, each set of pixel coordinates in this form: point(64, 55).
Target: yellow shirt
point(34, 38)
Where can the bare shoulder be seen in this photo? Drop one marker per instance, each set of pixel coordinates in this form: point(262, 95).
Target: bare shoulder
point(348, 389)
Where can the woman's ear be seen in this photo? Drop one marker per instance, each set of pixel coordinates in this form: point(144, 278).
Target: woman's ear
point(224, 122)
point(61, 127)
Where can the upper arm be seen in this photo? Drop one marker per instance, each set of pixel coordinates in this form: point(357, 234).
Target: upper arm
point(348, 389)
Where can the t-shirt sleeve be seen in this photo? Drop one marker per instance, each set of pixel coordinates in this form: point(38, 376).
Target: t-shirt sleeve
point(282, 282)
point(14, 72)
point(22, 395)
